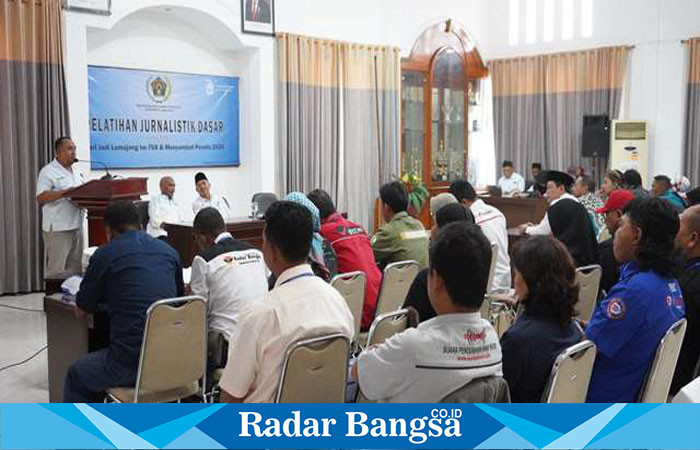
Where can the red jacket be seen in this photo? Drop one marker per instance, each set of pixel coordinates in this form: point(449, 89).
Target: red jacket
point(354, 252)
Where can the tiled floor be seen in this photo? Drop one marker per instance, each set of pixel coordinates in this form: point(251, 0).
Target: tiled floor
point(22, 333)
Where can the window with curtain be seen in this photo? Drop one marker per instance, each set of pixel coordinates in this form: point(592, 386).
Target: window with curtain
point(539, 103)
point(33, 112)
point(691, 144)
point(338, 120)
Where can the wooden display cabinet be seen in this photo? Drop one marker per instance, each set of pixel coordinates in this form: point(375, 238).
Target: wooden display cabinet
point(439, 95)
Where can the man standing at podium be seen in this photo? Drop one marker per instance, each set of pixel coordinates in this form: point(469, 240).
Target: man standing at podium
point(62, 221)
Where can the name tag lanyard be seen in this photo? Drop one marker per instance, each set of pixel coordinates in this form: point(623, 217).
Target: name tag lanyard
point(307, 274)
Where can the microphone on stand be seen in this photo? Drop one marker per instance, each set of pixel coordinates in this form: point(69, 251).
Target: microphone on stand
point(106, 176)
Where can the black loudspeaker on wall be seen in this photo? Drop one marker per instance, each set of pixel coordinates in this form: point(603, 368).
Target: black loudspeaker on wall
point(596, 136)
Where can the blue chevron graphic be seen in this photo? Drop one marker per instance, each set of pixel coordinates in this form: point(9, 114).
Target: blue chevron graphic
point(120, 436)
point(53, 431)
point(627, 415)
point(582, 435)
point(530, 431)
point(162, 435)
point(194, 438)
point(505, 439)
point(666, 426)
point(69, 412)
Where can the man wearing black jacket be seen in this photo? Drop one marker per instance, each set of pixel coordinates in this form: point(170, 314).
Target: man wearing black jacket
point(613, 214)
point(688, 241)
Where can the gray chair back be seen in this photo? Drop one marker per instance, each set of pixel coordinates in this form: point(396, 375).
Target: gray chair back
point(396, 281)
point(588, 279)
point(264, 199)
point(142, 207)
point(315, 370)
point(352, 287)
point(571, 374)
point(658, 381)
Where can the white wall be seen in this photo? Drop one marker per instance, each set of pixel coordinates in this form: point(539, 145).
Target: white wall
point(182, 36)
point(203, 36)
point(657, 71)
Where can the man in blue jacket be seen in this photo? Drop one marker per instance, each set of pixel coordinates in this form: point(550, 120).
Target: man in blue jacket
point(123, 279)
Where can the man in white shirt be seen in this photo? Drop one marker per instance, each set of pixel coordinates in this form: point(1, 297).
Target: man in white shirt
point(558, 186)
point(299, 306)
point(163, 208)
point(207, 198)
point(227, 272)
point(62, 221)
point(511, 182)
point(445, 353)
point(494, 226)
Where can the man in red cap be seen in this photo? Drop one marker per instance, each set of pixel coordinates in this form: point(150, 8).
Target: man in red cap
point(612, 210)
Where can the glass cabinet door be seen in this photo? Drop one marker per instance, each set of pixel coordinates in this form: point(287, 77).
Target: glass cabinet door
point(449, 118)
point(412, 122)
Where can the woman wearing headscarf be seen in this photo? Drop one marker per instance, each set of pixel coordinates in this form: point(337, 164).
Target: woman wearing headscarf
point(572, 225)
point(321, 255)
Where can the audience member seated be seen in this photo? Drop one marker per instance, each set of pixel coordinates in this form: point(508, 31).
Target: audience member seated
point(163, 208)
point(629, 323)
point(612, 182)
point(300, 306)
point(492, 223)
point(124, 278)
point(545, 285)
point(612, 211)
point(228, 273)
point(417, 296)
point(352, 248)
point(567, 220)
point(584, 191)
point(632, 180)
point(426, 363)
point(693, 197)
point(207, 198)
point(688, 241)
point(321, 256)
point(661, 187)
point(402, 237)
point(441, 200)
point(511, 182)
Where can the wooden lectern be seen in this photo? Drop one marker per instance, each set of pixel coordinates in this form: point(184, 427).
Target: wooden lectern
point(96, 195)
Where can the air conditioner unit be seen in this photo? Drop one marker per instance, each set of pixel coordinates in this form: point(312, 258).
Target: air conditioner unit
point(629, 146)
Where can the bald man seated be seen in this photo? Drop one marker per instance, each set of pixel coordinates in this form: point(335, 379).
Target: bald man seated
point(163, 208)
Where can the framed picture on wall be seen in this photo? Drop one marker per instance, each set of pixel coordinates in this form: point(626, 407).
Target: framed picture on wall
point(258, 17)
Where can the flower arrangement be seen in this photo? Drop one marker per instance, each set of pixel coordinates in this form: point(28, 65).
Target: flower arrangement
point(417, 192)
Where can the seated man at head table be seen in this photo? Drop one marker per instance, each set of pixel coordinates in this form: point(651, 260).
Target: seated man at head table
point(402, 237)
point(163, 208)
point(229, 274)
point(207, 198)
point(300, 306)
point(511, 182)
point(427, 363)
point(124, 278)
